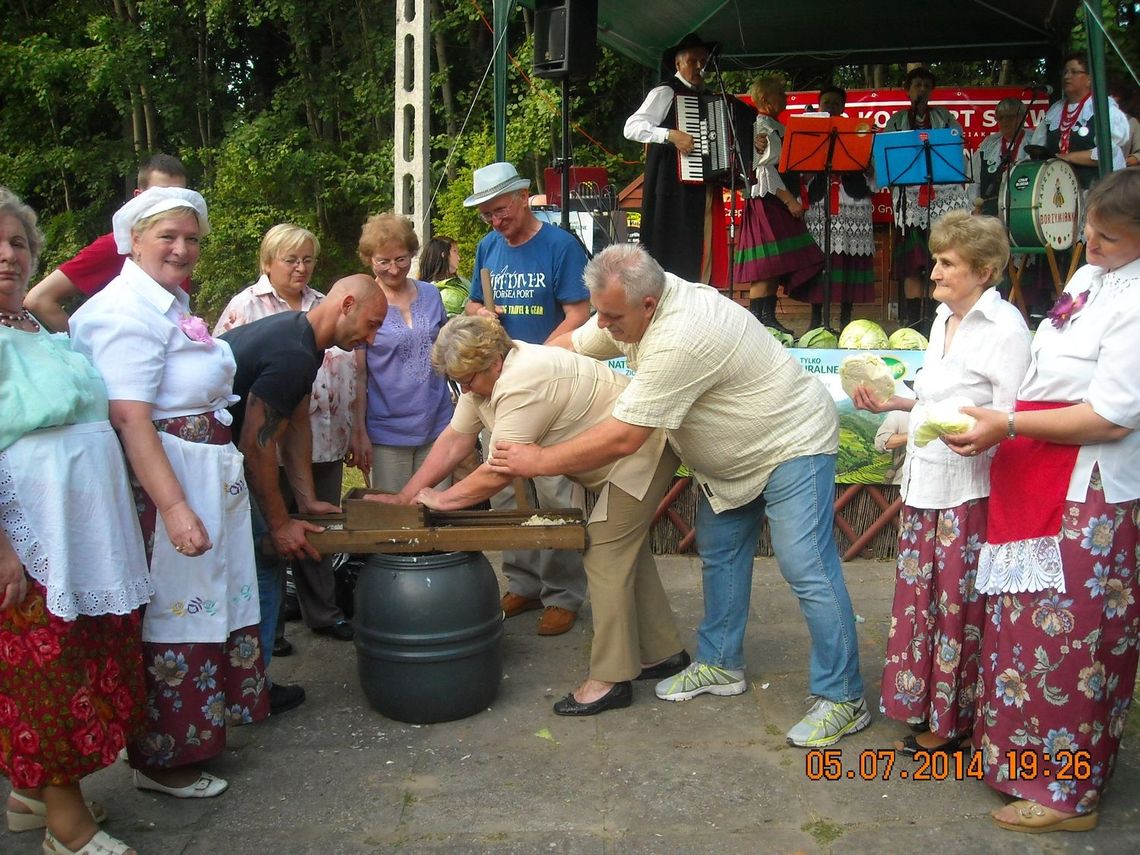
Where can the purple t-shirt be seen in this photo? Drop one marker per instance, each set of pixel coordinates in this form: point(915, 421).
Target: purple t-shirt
point(408, 403)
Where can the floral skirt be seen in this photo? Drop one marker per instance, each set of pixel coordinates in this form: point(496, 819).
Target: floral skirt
point(1058, 669)
point(933, 645)
point(775, 245)
point(193, 690)
point(71, 692)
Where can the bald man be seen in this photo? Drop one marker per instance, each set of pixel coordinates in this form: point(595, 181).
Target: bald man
point(277, 361)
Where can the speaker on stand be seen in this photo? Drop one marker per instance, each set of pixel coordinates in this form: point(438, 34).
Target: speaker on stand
point(565, 48)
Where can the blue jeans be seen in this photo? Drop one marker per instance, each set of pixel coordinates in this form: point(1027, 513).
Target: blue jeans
point(270, 583)
point(798, 502)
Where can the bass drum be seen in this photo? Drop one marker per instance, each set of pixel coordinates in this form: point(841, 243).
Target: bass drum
point(1040, 202)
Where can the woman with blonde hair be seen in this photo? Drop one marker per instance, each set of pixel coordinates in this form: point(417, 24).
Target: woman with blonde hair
point(401, 405)
point(289, 256)
point(774, 244)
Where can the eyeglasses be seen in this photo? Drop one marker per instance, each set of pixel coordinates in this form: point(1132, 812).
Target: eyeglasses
point(398, 261)
point(465, 382)
point(294, 261)
point(1074, 71)
point(495, 214)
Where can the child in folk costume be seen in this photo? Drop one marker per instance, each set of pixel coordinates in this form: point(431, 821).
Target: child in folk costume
point(852, 233)
point(774, 244)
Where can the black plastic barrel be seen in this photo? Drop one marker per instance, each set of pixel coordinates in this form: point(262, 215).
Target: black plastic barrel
point(428, 639)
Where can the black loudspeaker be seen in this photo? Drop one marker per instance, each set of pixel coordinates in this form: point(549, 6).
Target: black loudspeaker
point(565, 39)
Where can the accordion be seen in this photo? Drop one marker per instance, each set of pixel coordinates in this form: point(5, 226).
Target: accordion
point(705, 118)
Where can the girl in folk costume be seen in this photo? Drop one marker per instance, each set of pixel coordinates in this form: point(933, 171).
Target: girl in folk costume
point(848, 200)
point(774, 244)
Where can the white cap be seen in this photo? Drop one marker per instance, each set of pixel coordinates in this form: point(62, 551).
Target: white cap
point(155, 201)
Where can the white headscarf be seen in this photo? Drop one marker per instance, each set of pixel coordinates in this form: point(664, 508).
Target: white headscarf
point(155, 201)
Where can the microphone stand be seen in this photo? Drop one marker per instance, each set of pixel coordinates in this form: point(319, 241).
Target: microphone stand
point(735, 166)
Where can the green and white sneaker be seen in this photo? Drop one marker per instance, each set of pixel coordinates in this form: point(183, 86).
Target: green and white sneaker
point(700, 678)
point(829, 721)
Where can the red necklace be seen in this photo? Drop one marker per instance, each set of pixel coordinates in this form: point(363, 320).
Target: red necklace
point(1069, 121)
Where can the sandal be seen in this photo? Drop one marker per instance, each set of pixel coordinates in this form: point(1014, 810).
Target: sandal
point(1033, 818)
point(911, 747)
point(36, 814)
point(101, 844)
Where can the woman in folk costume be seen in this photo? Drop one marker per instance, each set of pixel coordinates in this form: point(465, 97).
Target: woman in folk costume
point(1059, 653)
point(916, 207)
point(848, 200)
point(72, 570)
point(774, 244)
point(169, 383)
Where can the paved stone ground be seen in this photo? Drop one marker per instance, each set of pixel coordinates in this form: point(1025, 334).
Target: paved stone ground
point(709, 775)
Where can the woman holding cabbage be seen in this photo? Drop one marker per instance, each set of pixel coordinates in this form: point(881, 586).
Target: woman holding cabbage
point(978, 353)
point(1059, 565)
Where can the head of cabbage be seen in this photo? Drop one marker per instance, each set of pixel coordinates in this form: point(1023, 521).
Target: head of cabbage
point(868, 370)
point(863, 335)
point(820, 337)
point(783, 338)
point(905, 338)
point(943, 417)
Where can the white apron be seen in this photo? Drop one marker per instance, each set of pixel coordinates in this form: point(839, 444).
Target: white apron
point(67, 507)
point(205, 598)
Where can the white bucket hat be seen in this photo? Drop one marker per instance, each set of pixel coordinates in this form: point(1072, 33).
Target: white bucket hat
point(155, 201)
point(495, 180)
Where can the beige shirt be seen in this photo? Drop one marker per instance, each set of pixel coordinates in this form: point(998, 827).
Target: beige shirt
point(548, 395)
point(734, 402)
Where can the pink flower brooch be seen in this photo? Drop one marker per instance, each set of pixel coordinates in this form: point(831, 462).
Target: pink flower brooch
point(1066, 306)
point(195, 329)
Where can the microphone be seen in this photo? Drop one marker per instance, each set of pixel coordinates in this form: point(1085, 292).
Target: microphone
point(1040, 87)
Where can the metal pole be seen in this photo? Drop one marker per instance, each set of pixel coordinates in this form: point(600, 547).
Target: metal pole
point(1103, 127)
point(502, 13)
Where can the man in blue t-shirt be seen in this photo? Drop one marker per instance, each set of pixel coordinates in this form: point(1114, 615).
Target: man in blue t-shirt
point(538, 294)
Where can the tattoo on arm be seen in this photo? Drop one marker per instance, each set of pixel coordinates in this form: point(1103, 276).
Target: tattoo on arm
point(270, 427)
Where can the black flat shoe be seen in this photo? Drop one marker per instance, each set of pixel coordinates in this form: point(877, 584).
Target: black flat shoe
point(620, 696)
point(341, 630)
point(911, 746)
point(673, 665)
point(282, 647)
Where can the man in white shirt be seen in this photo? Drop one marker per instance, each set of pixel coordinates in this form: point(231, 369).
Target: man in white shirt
point(675, 217)
point(761, 437)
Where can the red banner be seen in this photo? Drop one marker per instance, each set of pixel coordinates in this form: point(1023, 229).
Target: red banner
point(972, 106)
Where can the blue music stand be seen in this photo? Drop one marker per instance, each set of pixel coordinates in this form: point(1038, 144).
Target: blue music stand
point(907, 158)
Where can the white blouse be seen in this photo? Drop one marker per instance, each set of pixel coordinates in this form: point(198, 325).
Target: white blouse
point(130, 331)
point(1095, 357)
point(986, 363)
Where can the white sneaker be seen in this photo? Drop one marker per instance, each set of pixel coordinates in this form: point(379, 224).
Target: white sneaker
point(700, 678)
point(829, 721)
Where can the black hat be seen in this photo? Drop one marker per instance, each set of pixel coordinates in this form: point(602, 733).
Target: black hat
point(692, 40)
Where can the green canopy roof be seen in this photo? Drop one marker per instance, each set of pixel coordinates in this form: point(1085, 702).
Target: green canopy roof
point(759, 33)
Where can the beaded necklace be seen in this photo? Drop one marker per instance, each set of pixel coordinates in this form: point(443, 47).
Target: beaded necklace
point(12, 320)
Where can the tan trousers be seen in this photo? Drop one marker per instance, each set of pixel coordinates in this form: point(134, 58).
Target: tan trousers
point(633, 622)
